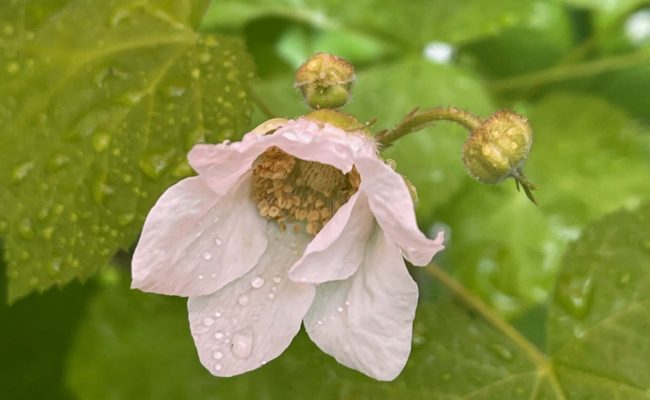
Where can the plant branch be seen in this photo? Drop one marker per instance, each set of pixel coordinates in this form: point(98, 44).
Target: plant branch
point(414, 122)
point(567, 72)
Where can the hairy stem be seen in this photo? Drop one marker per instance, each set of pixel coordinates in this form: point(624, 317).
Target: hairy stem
point(415, 121)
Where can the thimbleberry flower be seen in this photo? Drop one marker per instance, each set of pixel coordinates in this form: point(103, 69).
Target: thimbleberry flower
point(301, 222)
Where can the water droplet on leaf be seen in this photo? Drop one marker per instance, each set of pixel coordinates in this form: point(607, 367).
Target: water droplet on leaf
point(501, 351)
point(101, 141)
point(20, 172)
point(575, 295)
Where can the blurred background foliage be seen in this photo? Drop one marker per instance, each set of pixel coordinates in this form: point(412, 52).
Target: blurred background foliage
point(99, 102)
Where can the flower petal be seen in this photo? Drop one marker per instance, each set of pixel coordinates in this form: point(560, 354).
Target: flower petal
point(195, 242)
point(338, 249)
point(392, 205)
point(365, 322)
point(252, 320)
point(222, 164)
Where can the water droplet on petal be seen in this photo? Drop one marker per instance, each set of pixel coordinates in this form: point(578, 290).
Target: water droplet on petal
point(347, 303)
point(218, 240)
point(271, 296)
point(218, 335)
point(242, 343)
point(340, 309)
point(217, 367)
point(208, 321)
point(257, 282)
point(207, 255)
point(217, 355)
point(319, 322)
point(277, 279)
point(200, 276)
point(243, 300)
point(217, 314)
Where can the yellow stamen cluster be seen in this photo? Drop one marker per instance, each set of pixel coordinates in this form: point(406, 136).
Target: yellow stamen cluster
point(289, 190)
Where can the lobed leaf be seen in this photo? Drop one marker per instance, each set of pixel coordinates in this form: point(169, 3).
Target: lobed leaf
point(102, 103)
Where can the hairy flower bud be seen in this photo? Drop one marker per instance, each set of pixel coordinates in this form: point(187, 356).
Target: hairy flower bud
point(325, 81)
point(498, 148)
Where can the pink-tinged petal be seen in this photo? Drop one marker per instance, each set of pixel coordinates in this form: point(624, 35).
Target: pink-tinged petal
point(195, 242)
point(366, 322)
point(222, 164)
point(337, 250)
point(392, 205)
point(253, 320)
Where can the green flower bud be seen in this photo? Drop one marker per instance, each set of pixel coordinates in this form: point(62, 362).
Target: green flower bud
point(498, 148)
point(325, 81)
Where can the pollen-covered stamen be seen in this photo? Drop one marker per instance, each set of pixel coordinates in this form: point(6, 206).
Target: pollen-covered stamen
point(289, 190)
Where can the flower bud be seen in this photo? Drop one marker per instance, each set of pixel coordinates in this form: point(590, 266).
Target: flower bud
point(325, 81)
point(498, 148)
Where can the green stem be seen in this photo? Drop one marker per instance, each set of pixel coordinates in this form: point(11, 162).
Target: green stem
point(415, 122)
point(567, 72)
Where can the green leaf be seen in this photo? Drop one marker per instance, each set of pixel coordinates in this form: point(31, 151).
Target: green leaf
point(102, 103)
point(431, 159)
point(588, 159)
point(410, 24)
point(600, 312)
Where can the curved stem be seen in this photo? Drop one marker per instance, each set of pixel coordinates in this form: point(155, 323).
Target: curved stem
point(415, 122)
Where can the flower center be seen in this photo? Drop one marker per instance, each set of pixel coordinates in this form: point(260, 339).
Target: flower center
point(289, 190)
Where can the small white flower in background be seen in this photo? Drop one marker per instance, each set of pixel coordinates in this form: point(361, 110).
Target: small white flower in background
point(300, 222)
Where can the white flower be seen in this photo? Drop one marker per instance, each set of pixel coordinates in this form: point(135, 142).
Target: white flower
point(302, 225)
